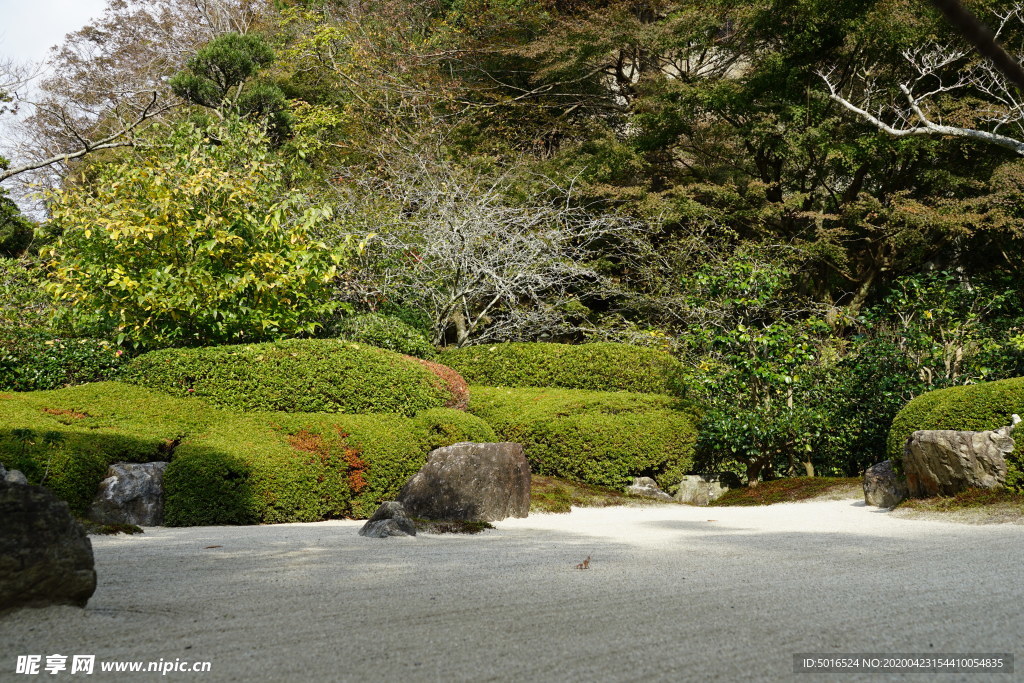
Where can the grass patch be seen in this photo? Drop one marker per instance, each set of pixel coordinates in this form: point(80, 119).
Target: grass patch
point(789, 490)
point(548, 494)
point(973, 506)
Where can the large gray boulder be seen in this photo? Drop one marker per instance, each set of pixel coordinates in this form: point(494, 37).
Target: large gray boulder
point(883, 487)
point(477, 482)
point(132, 493)
point(390, 519)
point(943, 462)
point(45, 555)
point(701, 489)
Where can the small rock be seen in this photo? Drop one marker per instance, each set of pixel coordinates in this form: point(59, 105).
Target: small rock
point(479, 482)
point(15, 477)
point(45, 556)
point(697, 489)
point(390, 519)
point(132, 493)
point(648, 488)
point(882, 486)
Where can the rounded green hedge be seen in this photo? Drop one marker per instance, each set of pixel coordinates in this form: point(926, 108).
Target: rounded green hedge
point(386, 332)
point(300, 375)
point(602, 438)
point(225, 467)
point(974, 407)
point(35, 360)
point(593, 367)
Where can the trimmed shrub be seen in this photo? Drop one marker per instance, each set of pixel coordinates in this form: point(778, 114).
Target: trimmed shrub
point(603, 366)
point(597, 438)
point(443, 427)
point(225, 467)
point(973, 407)
point(386, 332)
point(32, 360)
point(300, 375)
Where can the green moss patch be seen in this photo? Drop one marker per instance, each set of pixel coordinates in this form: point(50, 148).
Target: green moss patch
point(790, 490)
point(549, 494)
point(296, 376)
point(593, 367)
point(600, 438)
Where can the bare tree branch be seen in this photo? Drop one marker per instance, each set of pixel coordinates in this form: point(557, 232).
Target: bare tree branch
point(118, 139)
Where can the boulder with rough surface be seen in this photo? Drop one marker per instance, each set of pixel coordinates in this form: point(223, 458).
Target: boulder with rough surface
point(943, 462)
point(45, 556)
point(883, 487)
point(698, 489)
point(648, 488)
point(390, 519)
point(132, 493)
point(479, 482)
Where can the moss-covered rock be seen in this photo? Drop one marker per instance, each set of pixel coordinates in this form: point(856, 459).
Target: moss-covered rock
point(592, 367)
point(974, 407)
point(303, 375)
point(601, 438)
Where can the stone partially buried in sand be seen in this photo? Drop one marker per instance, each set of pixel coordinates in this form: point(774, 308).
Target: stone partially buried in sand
point(132, 493)
point(390, 519)
point(478, 482)
point(45, 556)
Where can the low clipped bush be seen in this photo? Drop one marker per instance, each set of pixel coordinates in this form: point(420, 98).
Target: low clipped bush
point(595, 367)
point(33, 360)
point(974, 407)
point(225, 467)
point(386, 332)
point(600, 438)
point(300, 375)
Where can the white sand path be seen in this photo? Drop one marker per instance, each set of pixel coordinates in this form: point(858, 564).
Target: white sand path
point(673, 593)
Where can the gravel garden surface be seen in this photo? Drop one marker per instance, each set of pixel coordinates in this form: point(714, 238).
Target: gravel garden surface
point(671, 593)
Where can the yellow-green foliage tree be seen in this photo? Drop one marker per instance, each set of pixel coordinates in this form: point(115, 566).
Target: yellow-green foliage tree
point(192, 239)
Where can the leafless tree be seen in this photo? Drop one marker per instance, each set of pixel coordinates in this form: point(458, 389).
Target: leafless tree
point(938, 82)
point(484, 267)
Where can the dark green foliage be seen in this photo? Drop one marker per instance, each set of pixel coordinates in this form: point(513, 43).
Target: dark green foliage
point(309, 375)
point(602, 438)
point(593, 367)
point(974, 407)
point(386, 332)
point(225, 467)
point(32, 360)
point(15, 230)
point(222, 76)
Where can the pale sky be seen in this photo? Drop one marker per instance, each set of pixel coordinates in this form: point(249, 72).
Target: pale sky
point(29, 27)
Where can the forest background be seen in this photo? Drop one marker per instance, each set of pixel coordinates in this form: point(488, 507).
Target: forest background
point(711, 178)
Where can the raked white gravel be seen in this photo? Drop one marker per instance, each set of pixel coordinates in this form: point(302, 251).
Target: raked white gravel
point(673, 593)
